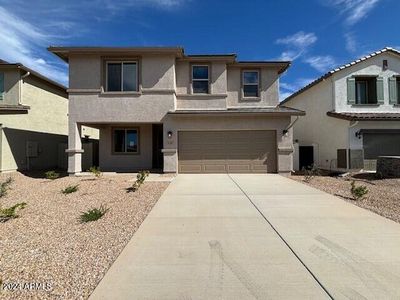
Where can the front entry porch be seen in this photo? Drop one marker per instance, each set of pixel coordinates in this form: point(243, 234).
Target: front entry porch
point(125, 148)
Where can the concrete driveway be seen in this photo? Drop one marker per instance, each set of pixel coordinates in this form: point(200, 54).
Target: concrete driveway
point(256, 237)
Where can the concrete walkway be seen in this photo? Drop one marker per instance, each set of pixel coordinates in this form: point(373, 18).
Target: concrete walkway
point(256, 237)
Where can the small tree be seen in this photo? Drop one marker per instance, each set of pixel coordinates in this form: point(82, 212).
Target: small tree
point(140, 178)
point(310, 172)
point(5, 186)
point(95, 171)
point(358, 192)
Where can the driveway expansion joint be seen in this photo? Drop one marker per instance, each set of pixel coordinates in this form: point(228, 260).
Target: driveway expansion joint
point(283, 239)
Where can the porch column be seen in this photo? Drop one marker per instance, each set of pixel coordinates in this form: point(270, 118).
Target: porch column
point(74, 150)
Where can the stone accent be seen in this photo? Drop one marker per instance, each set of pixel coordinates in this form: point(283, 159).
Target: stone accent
point(388, 166)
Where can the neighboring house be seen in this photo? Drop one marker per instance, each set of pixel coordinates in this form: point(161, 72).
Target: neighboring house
point(160, 109)
point(352, 114)
point(33, 120)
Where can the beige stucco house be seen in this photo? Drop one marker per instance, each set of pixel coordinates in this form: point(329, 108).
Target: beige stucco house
point(157, 108)
point(33, 120)
point(352, 114)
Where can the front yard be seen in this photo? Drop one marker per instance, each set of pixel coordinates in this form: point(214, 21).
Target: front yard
point(48, 251)
point(383, 195)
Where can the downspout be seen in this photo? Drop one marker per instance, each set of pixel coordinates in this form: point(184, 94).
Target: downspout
point(286, 130)
point(20, 102)
point(21, 89)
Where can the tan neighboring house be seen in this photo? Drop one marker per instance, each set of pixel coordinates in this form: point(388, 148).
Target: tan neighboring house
point(352, 114)
point(159, 109)
point(33, 120)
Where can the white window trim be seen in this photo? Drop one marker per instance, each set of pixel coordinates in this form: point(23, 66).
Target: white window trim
point(257, 84)
point(122, 62)
point(125, 137)
point(208, 78)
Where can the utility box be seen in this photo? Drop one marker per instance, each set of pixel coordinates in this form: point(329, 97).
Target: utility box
point(32, 149)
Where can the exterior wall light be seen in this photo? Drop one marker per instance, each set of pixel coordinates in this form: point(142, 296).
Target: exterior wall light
point(358, 134)
point(169, 134)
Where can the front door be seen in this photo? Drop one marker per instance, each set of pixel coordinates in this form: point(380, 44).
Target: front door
point(158, 158)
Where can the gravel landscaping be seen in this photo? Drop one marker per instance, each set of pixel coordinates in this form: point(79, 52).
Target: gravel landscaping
point(48, 248)
point(383, 195)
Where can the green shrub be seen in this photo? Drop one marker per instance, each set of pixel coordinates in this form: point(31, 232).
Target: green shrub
point(5, 186)
point(93, 214)
point(310, 172)
point(52, 175)
point(70, 189)
point(11, 212)
point(358, 192)
point(140, 178)
point(95, 171)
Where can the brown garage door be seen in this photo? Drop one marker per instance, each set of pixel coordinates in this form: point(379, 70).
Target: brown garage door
point(227, 151)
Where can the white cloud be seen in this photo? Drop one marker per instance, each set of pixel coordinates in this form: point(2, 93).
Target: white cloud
point(354, 10)
point(351, 44)
point(296, 44)
point(283, 95)
point(28, 28)
point(321, 63)
point(299, 40)
point(24, 42)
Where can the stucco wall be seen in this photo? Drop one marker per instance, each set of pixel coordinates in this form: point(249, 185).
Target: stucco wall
point(372, 66)
point(126, 162)
point(269, 85)
point(177, 123)
point(316, 128)
point(45, 123)
point(12, 86)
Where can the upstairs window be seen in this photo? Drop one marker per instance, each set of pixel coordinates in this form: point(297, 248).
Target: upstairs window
point(125, 140)
point(1, 85)
point(250, 84)
point(122, 77)
point(200, 79)
point(366, 90)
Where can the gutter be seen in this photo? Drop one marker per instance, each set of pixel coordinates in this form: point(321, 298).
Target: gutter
point(286, 130)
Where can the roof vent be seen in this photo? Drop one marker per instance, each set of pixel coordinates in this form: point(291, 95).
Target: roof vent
point(385, 65)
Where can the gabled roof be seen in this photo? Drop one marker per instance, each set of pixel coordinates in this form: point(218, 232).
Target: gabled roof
point(330, 73)
point(34, 73)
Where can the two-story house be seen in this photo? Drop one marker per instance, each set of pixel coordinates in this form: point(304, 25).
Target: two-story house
point(34, 121)
point(160, 109)
point(353, 114)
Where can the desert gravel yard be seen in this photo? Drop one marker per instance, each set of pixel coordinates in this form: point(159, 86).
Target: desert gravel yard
point(47, 244)
point(383, 195)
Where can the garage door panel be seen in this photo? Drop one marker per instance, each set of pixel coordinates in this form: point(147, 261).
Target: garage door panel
point(227, 151)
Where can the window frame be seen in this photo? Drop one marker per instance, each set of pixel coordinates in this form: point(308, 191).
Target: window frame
point(113, 129)
point(257, 84)
point(208, 78)
point(122, 75)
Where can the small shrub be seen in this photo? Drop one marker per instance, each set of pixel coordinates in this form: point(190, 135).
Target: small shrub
point(95, 171)
point(310, 173)
point(52, 175)
point(140, 178)
point(93, 214)
point(5, 186)
point(11, 212)
point(70, 189)
point(358, 192)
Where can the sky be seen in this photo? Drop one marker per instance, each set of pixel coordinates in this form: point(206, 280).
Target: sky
point(316, 35)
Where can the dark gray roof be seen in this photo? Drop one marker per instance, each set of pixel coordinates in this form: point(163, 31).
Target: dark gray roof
point(330, 73)
point(34, 73)
point(279, 110)
point(365, 116)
